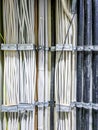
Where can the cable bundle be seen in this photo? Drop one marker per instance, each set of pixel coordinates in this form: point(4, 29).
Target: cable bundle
point(19, 67)
point(1, 66)
point(65, 70)
point(43, 63)
point(11, 65)
point(84, 64)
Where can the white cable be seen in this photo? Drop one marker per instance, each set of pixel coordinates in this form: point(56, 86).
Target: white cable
point(66, 67)
point(18, 18)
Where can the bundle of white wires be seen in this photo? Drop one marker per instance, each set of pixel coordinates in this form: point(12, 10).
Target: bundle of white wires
point(65, 72)
point(19, 67)
point(44, 63)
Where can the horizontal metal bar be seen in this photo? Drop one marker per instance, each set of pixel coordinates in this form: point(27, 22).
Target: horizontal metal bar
point(23, 107)
point(17, 108)
point(62, 47)
point(42, 104)
point(74, 5)
point(69, 108)
point(87, 48)
point(57, 48)
point(42, 48)
point(70, 47)
point(12, 108)
point(8, 47)
point(87, 105)
point(14, 47)
point(26, 47)
point(63, 108)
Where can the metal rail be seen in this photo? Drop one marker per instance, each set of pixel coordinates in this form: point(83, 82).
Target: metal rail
point(58, 47)
point(59, 107)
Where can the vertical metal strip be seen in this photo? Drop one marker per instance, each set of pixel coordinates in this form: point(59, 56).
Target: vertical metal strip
point(80, 36)
point(95, 63)
point(87, 60)
point(52, 64)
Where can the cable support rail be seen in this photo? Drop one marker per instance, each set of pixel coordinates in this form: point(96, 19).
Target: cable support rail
point(70, 47)
point(19, 47)
point(23, 106)
point(58, 47)
point(71, 106)
point(59, 107)
point(63, 108)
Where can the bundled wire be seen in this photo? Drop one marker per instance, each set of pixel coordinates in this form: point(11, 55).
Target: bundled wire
point(41, 69)
point(11, 65)
point(95, 63)
point(80, 37)
point(19, 67)
point(1, 64)
point(65, 65)
point(44, 63)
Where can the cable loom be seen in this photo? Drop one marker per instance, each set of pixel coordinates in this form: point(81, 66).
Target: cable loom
point(19, 67)
point(65, 86)
point(48, 65)
point(27, 73)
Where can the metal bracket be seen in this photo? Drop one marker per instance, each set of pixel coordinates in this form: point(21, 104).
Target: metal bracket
point(57, 48)
point(87, 48)
point(10, 47)
point(63, 108)
point(63, 47)
point(22, 107)
point(42, 48)
point(17, 108)
point(87, 105)
point(42, 104)
point(15, 47)
point(26, 47)
point(11, 108)
point(26, 107)
point(69, 108)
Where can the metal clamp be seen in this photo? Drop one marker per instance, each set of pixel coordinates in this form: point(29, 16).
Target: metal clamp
point(26, 107)
point(63, 47)
point(87, 48)
point(87, 105)
point(57, 48)
point(9, 47)
point(70, 107)
point(11, 108)
point(16, 108)
point(74, 3)
point(42, 104)
point(26, 47)
point(15, 47)
point(22, 107)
